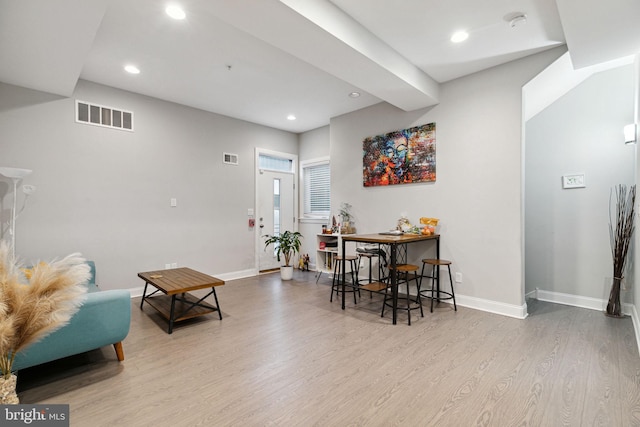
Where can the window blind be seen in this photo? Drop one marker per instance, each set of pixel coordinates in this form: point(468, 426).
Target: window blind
point(317, 189)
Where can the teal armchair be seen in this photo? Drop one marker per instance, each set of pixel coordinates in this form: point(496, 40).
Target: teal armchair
point(103, 319)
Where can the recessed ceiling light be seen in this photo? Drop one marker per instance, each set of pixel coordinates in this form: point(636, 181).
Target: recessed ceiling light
point(291, 117)
point(175, 12)
point(459, 36)
point(354, 94)
point(132, 69)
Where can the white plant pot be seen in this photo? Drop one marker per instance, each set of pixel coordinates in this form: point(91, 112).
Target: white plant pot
point(286, 273)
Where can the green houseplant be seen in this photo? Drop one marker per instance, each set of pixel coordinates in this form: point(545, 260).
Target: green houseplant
point(286, 244)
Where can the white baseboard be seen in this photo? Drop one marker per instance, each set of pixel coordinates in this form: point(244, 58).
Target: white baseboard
point(577, 301)
point(636, 323)
point(237, 274)
point(569, 299)
point(137, 292)
point(510, 310)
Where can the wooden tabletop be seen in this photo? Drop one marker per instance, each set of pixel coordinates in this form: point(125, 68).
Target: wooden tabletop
point(387, 238)
point(179, 280)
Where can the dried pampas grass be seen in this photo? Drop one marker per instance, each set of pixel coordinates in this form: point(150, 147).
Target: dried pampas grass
point(36, 302)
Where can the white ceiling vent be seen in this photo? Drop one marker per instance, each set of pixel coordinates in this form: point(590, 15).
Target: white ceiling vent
point(100, 115)
point(230, 159)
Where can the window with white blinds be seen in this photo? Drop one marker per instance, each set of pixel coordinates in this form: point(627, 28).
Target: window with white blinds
point(316, 177)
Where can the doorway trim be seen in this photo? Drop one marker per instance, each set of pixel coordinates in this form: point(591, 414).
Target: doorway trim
point(256, 232)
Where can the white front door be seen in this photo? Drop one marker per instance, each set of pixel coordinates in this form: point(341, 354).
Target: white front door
point(275, 213)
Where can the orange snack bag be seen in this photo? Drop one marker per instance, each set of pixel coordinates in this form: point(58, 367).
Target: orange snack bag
point(429, 225)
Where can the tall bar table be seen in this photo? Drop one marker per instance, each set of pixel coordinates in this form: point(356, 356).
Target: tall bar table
point(393, 241)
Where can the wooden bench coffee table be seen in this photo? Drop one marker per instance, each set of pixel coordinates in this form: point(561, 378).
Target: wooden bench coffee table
point(176, 304)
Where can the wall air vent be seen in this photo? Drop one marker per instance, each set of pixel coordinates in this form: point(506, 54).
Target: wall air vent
point(99, 115)
point(230, 159)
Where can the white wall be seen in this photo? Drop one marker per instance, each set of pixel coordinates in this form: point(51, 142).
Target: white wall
point(567, 238)
point(636, 251)
point(106, 192)
point(313, 144)
point(477, 195)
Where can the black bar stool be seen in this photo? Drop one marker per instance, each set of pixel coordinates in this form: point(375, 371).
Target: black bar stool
point(336, 285)
point(369, 255)
point(435, 291)
point(411, 303)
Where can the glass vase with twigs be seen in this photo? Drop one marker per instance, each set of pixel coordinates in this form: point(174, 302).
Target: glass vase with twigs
point(620, 237)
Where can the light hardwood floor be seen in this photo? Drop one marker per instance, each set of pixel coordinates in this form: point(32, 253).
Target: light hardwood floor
point(284, 355)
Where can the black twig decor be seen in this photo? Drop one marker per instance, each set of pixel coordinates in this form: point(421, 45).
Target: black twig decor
point(620, 238)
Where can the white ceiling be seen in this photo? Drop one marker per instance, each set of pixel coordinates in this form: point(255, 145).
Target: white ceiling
point(261, 60)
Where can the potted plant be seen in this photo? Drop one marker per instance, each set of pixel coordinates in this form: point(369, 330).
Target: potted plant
point(286, 244)
point(345, 215)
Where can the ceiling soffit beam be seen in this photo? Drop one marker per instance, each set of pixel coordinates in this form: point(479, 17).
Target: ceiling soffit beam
point(558, 79)
point(600, 31)
point(51, 64)
point(344, 28)
point(320, 34)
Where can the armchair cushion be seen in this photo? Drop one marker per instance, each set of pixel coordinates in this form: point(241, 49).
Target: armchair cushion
point(103, 319)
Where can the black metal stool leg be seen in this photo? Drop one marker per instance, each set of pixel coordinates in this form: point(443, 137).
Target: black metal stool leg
point(418, 296)
point(453, 294)
point(370, 279)
point(334, 287)
point(433, 284)
point(408, 298)
point(384, 302)
point(354, 281)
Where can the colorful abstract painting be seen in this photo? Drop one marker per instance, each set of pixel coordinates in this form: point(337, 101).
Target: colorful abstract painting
point(400, 157)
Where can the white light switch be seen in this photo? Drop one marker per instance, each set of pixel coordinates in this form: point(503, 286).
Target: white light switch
point(174, 202)
point(250, 212)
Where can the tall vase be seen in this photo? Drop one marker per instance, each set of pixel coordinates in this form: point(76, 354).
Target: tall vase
point(8, 394)
point(614, 308)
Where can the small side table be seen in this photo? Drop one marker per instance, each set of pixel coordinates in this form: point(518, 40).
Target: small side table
point(177, 304)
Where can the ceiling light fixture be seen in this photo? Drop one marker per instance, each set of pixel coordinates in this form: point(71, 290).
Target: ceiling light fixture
point(354, 94)
point(132, 69)
point(291, 117)
point(459, 36)
point(175, 12)
point(518, 20)
point(515, 19)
